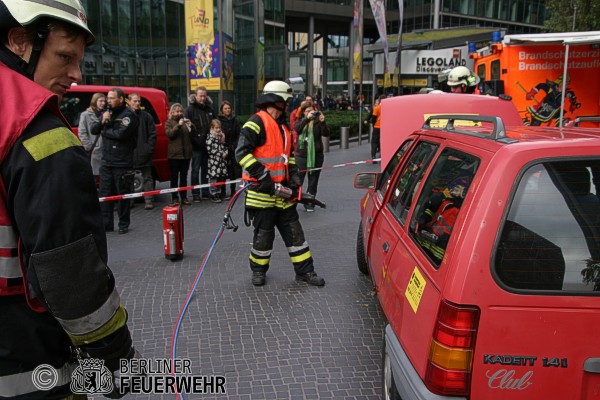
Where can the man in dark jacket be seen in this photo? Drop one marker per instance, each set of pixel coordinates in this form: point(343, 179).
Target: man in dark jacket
point(146, 141)
point(200, 113)
point(119, 136)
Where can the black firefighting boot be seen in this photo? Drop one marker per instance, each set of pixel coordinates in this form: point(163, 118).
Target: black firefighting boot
point(258, 278)
point(311, 278)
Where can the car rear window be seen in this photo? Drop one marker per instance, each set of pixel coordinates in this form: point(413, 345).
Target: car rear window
point(550, 240)
point(74, 103)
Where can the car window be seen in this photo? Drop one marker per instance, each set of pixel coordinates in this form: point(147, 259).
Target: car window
point(440, 201)
point(74, 103)
point(550, 240)
point(407, 182)
point(386, 176)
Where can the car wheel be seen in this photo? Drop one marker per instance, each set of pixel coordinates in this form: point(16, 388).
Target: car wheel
point(138, 182)
point(361, 256)
point(389, 385)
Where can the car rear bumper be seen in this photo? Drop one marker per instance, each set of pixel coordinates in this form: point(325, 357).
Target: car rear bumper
point(409, 384)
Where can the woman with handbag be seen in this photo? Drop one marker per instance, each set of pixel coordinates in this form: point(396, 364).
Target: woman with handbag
point(89, 131)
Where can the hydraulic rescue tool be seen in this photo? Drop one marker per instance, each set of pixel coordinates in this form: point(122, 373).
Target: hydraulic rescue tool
point(297, 195)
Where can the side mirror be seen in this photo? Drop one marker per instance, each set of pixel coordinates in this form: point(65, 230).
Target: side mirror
point(365, 180)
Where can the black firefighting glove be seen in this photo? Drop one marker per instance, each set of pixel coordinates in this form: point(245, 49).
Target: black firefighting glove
point(119, 391)
point(295, 181)
point(112, 349)
point(266, 184)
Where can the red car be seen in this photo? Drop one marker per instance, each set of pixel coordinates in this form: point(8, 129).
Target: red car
point(482, 239)
point(154, 101)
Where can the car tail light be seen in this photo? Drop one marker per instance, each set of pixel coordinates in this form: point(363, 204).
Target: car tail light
point(451, 351)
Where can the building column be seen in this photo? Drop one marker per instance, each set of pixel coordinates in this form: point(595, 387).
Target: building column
point(352, 39)
point(324, 65)
point(310, 56)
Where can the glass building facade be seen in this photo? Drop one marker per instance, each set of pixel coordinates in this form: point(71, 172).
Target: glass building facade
point(142, 42)
point(138, 43)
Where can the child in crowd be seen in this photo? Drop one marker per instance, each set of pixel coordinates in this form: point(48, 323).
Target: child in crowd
point(217, 160)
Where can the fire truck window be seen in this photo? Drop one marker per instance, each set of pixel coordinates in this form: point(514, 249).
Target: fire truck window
point(407, 182)
point(495, 69)
point(440, 201)
point(481, 72)
point(550, 240)
point(386, 175)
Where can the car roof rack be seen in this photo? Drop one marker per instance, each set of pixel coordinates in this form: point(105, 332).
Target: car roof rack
point(586, 118)
point(498, 134)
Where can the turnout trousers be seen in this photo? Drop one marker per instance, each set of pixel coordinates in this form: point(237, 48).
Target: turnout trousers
point(287, 223)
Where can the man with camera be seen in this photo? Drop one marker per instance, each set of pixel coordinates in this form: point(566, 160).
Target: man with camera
point(119, 137)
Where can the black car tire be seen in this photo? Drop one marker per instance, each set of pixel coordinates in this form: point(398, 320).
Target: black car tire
point(388, 384)
point(361, 256)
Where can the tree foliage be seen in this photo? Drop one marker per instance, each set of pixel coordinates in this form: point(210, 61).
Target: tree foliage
point(587, 15)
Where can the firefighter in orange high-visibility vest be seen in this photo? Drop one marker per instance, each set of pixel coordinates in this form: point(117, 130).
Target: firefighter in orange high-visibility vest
point(265, 153)
point(441, 211)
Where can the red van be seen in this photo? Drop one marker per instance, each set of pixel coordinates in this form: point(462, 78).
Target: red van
point(482, 239)
point(154, 101)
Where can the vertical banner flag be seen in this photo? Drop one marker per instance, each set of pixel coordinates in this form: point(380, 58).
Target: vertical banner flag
point(378, 8)
point(399, 44)
point(200, 40)
point(358, 35)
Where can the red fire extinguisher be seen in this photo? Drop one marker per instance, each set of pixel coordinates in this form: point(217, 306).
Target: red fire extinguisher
point(173, 232)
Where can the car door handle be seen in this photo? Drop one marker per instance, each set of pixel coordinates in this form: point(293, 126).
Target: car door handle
point(592, 365)
point(386, 247)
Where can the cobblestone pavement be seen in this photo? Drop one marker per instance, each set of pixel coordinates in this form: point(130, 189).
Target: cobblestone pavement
point(285, 340)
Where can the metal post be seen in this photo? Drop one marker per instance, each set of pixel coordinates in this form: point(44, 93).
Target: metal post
point(325, 144)
point(344, 137)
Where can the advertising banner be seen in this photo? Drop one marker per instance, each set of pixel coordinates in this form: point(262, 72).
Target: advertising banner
point(199, 22)
point(378, 8)
point(358, 39)
point(205, 64)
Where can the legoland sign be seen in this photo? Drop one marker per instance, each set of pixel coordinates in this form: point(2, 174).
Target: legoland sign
point(427, 62)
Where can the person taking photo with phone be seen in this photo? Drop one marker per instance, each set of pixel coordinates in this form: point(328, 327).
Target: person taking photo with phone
point(311, 129)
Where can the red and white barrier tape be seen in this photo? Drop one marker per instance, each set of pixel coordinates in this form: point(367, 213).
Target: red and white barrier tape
point(184, 188)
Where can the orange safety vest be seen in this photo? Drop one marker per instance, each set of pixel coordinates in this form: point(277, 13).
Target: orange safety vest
point(274, 154)
point(445, 217)
point(16, 117)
